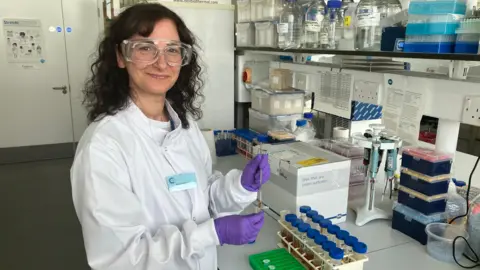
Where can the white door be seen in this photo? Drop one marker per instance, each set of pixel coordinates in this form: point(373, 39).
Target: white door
point(34, 88)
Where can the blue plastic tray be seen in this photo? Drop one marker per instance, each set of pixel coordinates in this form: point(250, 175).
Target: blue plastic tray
point(439, 28)
point(436, 7)
point(424, 166)
point(466, 47)
point(429, 47)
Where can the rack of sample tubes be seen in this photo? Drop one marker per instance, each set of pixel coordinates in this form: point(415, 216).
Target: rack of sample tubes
point(318, 244)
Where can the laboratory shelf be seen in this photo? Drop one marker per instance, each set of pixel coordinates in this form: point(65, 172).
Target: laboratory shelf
point(433, 56)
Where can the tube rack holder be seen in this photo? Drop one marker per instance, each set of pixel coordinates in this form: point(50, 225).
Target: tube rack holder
point(350, 262)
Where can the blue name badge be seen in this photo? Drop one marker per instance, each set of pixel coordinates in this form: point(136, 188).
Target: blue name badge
point(182, 181)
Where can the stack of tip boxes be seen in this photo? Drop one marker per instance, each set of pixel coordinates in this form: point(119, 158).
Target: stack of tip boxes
point(432, 24)
point(422, 195)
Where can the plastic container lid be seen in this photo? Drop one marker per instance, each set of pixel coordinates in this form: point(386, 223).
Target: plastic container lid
point(333, 229)
point(301, 122)
point(312, 233)
point(325, 223)
point(342, 235)
point(415, 175)
point(308, 115)
point(312, 213)
point(262, 138)
point(427, 154)
point(317, 218)
point(328, 245)
point(351, 240)
point(303, 227)
point(290, 217)
point(460, 183)
point(334, 4)
point(305, 208)
point(410, 213)
point(320, 239)
point(360, 248)
point(415, 194)
point(296, 222)
point(336, 253)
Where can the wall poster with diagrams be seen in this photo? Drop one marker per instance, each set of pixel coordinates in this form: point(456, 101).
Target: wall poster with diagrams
point(24, 40)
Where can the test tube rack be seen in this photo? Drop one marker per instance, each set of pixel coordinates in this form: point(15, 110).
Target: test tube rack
point(350, 262)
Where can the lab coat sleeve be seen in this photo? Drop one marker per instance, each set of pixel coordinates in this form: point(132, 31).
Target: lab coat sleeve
point(226, 193)
point(114, 224)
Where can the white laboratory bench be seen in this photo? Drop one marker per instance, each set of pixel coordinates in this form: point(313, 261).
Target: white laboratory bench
point(387, 248)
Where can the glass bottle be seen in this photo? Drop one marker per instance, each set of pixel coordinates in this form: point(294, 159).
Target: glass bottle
point(316, 222)
point(287, 222)
point(289, 26)
point(341, 237)
point(303, 212)
point(332, 22)
point(332, 232)
point(368, 31)
point(319, 241)
point(301, 240)
point(295, 223)
point(324, 226)
point(336, 256)
point(310, 215)
point(314, 18)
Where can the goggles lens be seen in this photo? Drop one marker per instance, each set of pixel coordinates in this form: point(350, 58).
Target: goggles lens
point(148, 52)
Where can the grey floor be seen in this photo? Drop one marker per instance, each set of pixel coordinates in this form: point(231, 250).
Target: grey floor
point(38, 225)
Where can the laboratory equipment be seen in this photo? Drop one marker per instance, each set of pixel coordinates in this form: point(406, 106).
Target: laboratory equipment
point(280, 258)
point(309, 116)
point(314, 18)
point(303, 212)
point(468, 36)
point(245, 142)
point(359, 249)
point(316, 222)
point(349, 243)
point(342, 235)
point(301, 240)
point(324, 225)
point(327, 246)
point(367, 28)
point(311, 234)
point(225, 143)
point(389, 8)
point(265, 10)
point(430, 43)
point(332, 232)
point(426, 7)
point(266, 34)
point(456, 206)
point(336, 256)
point(243, 10)
point(348, 32)
point(332, 22)
point(255, 73)
point(289, 26)
point(412, 222)
point(260, 140)
point(433, 24)
point(310, 215)
point(277, 103)
point(264, 123)
point(302, 133)
point(287, 222)
point(375, 145)
point(424, 184)
point(281, 79)
point(440, 241)
point(245, 35)
point(424, 204)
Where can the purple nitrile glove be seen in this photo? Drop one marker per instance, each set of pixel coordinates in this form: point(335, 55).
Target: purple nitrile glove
point(238, 229)
point(251, 174)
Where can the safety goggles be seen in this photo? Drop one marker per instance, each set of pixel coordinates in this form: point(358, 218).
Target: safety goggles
point(147, 51)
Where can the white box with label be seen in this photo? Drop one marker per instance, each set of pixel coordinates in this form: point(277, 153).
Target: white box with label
point(306, 175)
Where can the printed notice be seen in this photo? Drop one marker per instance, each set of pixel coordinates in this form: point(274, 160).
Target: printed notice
point(24, 41)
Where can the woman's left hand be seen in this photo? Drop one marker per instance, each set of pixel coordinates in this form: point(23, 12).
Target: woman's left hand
point(251, 174)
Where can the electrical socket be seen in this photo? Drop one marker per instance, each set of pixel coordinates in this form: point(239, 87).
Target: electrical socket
point(471, 110)
point(368, 92)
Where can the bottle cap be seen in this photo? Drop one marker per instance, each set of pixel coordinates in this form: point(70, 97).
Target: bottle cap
point(305, 208)
point(317, 218)
point(328, 245)
point(262, 138)
point(303, 227)
point(312, 233)
point(333, 229)
point(290, 217)
point(301, 122)
point(308, 115)
point(334, 4)
point(460, 183)
point(325, 223)
point(296, 222)
point(351, 241)
point(311, 213)
point(336, 253)
point(360, 248)
point(320, 239)
point(342, 235)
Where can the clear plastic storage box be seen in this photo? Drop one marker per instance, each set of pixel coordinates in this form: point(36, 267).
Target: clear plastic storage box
point(265, 34)
point(245, 34)
point(425, 184)
point(426, 7)
point(467, 43)
point(441, 240)
point(430, 43)
point(281, 79)
point(243, 10)
point(425, 204)
point(263, 123)
point(413, 223)
point(265, 10)
point(277, 103)
point(433, 24)
point(426, 161)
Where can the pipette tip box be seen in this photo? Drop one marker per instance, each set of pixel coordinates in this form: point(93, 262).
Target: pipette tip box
point(426, 161)
point(425, 204)
point(425, 184)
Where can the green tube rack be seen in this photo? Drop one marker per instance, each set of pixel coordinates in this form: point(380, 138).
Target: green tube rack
point(280, 258)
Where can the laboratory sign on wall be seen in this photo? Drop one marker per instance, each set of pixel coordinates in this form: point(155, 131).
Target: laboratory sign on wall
point(24, 40)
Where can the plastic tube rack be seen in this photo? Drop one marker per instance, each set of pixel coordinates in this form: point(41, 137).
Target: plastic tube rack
point(349, 262)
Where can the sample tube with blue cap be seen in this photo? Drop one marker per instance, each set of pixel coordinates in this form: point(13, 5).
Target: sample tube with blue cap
point(319, 241)
point(324, 225)
point(349, 243)
point(310, 215)
point(359, 249)
point(310, 243)
point(301, 240)
point(326, 247)
point(295, 223)
point(316, 222)
point(287, 222)
point(332, 232)
point(303, 212)
point(336, 256)
point(341, 237)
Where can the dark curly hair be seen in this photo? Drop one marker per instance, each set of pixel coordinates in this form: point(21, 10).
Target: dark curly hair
point(107, 91)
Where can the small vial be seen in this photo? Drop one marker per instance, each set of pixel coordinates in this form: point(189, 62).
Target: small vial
point(310, 215)
point(326, 247)
point(349, 243)
point(324, 226)
point(310, 244)
point(341, 237)
point(316, 222)
point(294, 223)
point(359, 249)
point(286, 232)
point(319, 240)
point(336, 256)
point(332, 232)
point(303, 212)
point(301, 240)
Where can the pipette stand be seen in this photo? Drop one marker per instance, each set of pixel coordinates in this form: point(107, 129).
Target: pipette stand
point(368, 212)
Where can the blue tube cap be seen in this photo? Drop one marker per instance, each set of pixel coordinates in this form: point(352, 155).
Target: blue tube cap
point(336, 253)
point(303, 227)
point(304, 209)
point(312, 233)
point(342, 235)
point(325, 223)
point(328, 245)
point(296, 222)
point(320, 239)
point(317, 218)
point(308, 115)
point(333, 229)
point(360, 248)
point(290, 217)
point(311, 213)
point(351, 241)
point(301, 122)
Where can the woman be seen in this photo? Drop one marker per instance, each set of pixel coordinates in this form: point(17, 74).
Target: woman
point(142, 179)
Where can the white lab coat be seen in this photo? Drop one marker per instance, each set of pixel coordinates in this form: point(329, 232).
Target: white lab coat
point(130, 220)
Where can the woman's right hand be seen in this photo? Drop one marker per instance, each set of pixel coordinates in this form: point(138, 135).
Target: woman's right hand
point(239, 229)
